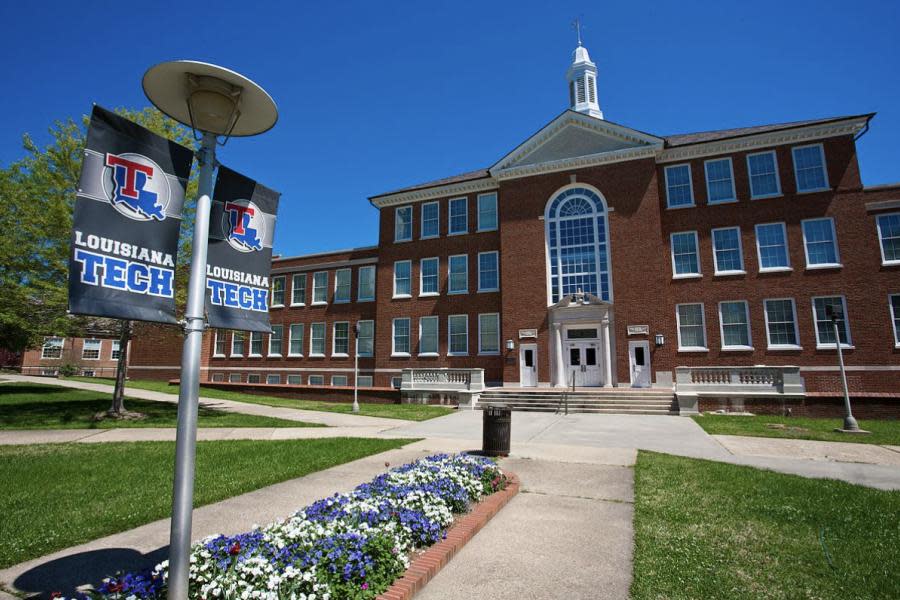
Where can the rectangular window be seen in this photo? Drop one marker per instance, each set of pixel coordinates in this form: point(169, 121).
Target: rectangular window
point(342, 286)
point(364, 381)
point(771, 247)
point(116, 350)
point(275, 340)
point(366, 292)
point(487, 212)
point(273, 379)
point(320, 287)
point(396, 382)
point(234, 377)
point(365, 343)
point(691, 327)
point(341, 339)
point(87, 373)
point(679, 191)
point(820, 243)
point(781, 324)
point(91, 349)
point(458, 334)
point(428, 277)
point(734, 321)
point(763, 171)
point(218, 377)
point(256, 342)
point(719, 181)
point(889, 237)
point(402, 270)
point(824, 326)
point(316, 380)
point(400, 336)
point(296, 341)
point(237, 343)
point(219, 342)
point(298, 291)
point(459, 216)
point(278, 291)
point(489, 333)
point(809, 168)
point(317, 339)
point(52, 348)
point(458, 274)
point(685, 259)
point(295, 379)
point(431, 220)
point(428, 336)
point(488, 271)
point(252, 378)
point(727, 256)
point(403, 225)
point(895, 317)
point(339, 380)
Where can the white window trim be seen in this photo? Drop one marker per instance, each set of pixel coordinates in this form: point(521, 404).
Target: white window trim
point(114, 343)
point(313, 301)
point(290, 339)
point(294, 276)
point(317, 377)
point(733, 197)
point(735, 348)
point(216, 343)
point(271, 376)
point(690, 184)
point(451, 292)
point(682, 348)
point(884, 262)
point(450, 337)
point(244, 342)
point(422, 221)
point(699, 272)
point(495, 289)
point(824, 169)
point(422, 277)
point(499, 337)
point(478, 227)
point(396, 295)
point(345, 384)
point(283, 290)
point(777, 176)
point(894, 316)
point(334, 353)
point(369, 378)
point(450, 216)
point(819, 345)
point(99, 349)
point(250, 353)
point(62, 345)
point(356, 340)
point(394, 336)
point(334, 298)
point(288, 379)
point(837, 250)
point(716, 271)
point(269, 349)
point(231, 376)
point(324, 339)
point(359, 296)
point(787, 251)
point(437, 336)
point(397, 220)
point(769, 344)
point(255, 376)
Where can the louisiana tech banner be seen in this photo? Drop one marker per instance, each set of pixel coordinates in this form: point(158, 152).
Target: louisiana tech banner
point(126, 222)
point(241, 230)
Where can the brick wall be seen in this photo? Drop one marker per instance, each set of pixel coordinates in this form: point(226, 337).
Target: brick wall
point(72, 354)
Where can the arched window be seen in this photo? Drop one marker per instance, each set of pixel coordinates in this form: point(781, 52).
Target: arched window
point(577, 244)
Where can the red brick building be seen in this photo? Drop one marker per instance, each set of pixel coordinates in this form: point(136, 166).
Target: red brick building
point(88, 357)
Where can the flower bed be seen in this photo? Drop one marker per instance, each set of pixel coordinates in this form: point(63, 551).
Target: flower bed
point(349, 546)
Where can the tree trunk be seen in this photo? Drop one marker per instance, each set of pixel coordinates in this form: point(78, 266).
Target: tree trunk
point(118, 401)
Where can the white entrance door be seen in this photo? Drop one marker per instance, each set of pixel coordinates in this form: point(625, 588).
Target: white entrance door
point(528, 365)
point(639, 360)
point(583, 364)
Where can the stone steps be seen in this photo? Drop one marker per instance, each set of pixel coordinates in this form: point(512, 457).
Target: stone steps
point(605, 401)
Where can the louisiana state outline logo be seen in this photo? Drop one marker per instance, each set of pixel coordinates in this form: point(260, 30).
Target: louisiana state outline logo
point(243, 225)
point(136, 186)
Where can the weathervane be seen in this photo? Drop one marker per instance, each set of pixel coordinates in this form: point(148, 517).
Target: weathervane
point(577, 25)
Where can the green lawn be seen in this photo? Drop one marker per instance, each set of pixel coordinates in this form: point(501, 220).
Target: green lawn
point(408, 412)
point(884, 431)
point(713, 530)
point(59, 495)
point(35, 406)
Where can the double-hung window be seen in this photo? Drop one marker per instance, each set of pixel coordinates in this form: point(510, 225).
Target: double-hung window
point(727, 256)
point(273, 379)
point(458, 274)
point(365, 341)
point(820, 243)
point(459, 216)
point(691, 327)
point(278, 291)
point(320, 287)
point(91, 349)
point(824, 325)
point(237, 343)
point(341, 339)
point(431, 220)
point(719, 181)
point(458, 334)
point(428, 336)
point(894, 301)
point(889, 238)
point(488, 271)
point(734, 323)
point(339, 380)
point(763, 170)
point(428, 277)
point(781, 324)
point(256, 343)
point(295, 347)
point(400, 337)
point(219, 342)
point(295, 379)
point(342, 286)
point(685, 258)
point(116, 350)
point(317, 339)
point(489, 333)
point(771, 247)
point(403, 225)
point(809, 168)
point(275, 340)
point(52, 348)
point(316, 380)
point(487, 211)
point(402, 269)
point(366, 291)
point(679, 191)
point(298, 289)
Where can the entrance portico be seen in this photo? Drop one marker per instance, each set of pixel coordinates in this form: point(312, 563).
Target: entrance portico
point(582, 345)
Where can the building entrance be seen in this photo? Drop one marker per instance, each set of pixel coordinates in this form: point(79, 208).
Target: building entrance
point(583, 364)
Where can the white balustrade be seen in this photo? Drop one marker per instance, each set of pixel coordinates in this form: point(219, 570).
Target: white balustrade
point(463, 384)
point(692, 383)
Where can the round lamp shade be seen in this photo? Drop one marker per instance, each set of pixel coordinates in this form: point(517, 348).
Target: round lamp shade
point(208, 97)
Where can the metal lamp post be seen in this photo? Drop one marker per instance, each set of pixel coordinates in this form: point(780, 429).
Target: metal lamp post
point(214, 101)
point(850, 424)
point(356, 367)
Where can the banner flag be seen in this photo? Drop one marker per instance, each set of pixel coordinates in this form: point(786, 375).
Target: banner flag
point(238, 265)
point(126, 222)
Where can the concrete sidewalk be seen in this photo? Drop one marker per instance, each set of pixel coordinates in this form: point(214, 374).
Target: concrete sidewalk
point(167, 434)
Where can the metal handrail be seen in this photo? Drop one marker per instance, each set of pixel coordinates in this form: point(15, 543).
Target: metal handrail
point(564, 398)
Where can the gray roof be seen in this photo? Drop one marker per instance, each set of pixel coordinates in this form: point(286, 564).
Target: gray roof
point(470, 176)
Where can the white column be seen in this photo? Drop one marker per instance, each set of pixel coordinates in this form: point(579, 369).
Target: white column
point(607, 352)
point(559, 368)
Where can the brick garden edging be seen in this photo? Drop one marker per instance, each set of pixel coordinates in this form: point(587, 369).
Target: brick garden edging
point(428, 564)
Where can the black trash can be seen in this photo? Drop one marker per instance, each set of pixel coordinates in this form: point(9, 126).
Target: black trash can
point(497, 427)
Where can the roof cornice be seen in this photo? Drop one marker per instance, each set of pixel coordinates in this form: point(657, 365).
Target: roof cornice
point(454, 189)
point(579, 162)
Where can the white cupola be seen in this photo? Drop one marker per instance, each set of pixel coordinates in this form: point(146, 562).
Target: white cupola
point(582, 77)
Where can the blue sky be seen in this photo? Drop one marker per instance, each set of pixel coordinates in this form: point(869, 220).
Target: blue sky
point(378, 95)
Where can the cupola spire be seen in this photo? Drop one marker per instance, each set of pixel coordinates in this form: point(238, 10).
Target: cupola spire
point(582, 77)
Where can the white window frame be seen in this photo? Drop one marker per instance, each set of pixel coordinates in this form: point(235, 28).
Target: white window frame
point(334, 339)
point(720, 272)
point(216, 353)
point(734, 347)
point(292, 376)
point(271, 376)
point(294, 278)
point(218, 378)
point(396, 382)
point(356, 341)
point(437, 335)
point(250, 339)
point(281, 338)
point(394, 351)
point(437, 275)
point(894, 317)
point(497, 264)
point(318, 380)
point(481, 351)
point(235, 378)
point(291, 339)
point(824, 169)
point(422, 225)
point(837, 251)
point(84, 348)
point(283, 280)
point(361, 379)
point(690, 186)
point(478, 227)
point(45, 346)
point(408, 279)
point(450, 290)
point(116, 346)
point(359, 288)
point(884, 260)
point(314, 298)
point(769, 344)
point(345, 384)
point(312, 338)
point(776, 194)
point(819, 345)
point(235, 334)
point(681, 347)
point(675, 274)
point(397, 238)
point(450, 336)
point(787, 252)
point(349, 286)
point(733, 197)
point(465, 202)
point(253, 378)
